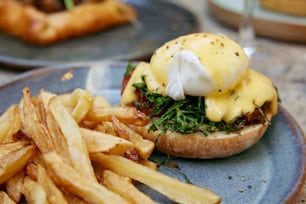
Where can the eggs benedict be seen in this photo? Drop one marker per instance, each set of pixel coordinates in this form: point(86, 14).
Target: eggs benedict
point(203, 99)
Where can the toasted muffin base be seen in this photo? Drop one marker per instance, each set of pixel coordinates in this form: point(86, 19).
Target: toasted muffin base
point(196, 145)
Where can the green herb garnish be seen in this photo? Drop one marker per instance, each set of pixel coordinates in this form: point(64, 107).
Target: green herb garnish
point(185, 116)
point(69, 4)
point(129, 69)
point(150, 99)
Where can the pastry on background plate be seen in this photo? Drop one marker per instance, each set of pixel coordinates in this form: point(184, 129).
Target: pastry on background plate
point(293, 7)
point(44, 22)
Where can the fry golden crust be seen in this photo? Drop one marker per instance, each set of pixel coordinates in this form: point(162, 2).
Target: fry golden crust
point(36, 27)
point(215, 145)
point(55, 159)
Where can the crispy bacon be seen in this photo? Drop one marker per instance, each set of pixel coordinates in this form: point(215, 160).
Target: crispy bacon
point(141, 99)
point(258, 116)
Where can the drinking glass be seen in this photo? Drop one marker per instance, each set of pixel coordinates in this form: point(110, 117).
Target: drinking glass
point(246, 33)
point(273, 62)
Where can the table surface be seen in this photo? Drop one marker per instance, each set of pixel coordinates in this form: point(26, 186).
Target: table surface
point(291, 82)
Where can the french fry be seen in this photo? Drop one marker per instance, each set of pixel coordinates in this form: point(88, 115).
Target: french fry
point(66, 99)
point(14, 185)
point(9, 124)
point(99, 169)
point(58, 139)
point(11, 147)
point(106, 127)
point(128, 115)
point(74, 182)
point(33, 124)
point(5, 124)
point(86, 152)
point(54, 133)
point(15, 161)
point(53, 193)
point(73, 199)
point(83, 102)
point(34, 193)
point(102, 142)
point(174, 189)
point(75, 142)
point(45, 97)
point(101, 101)
point(78, 103)
point(5, 199)
point(124, 187)
point(143, 146)
point(149, 164)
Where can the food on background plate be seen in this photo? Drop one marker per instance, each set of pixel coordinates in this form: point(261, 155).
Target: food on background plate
point(203, 99)
point(43, 22)
point(291, 7)
point(77, 148)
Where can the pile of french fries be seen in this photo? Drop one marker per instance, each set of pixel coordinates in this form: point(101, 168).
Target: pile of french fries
point(77, 148)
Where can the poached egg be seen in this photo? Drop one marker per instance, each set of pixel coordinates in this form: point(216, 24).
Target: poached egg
point(208, 65)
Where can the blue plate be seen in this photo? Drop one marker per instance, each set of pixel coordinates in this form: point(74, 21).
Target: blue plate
point(272, 171)
point(158, 22)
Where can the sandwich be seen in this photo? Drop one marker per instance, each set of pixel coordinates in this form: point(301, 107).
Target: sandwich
point(202, 98)
point(45, 22)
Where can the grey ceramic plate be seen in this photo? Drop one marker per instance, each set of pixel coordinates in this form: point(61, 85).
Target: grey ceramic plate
point(272, 171)
point(159, 21)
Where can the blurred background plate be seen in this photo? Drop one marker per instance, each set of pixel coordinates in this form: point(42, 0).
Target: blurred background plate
point(272, 171)
point(159, 21)
point(269, 24)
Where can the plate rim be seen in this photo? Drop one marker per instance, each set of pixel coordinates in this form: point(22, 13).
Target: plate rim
point(295, 127)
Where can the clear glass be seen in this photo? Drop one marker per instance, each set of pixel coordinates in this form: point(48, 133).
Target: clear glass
point(271, 62)
point(246, 33)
